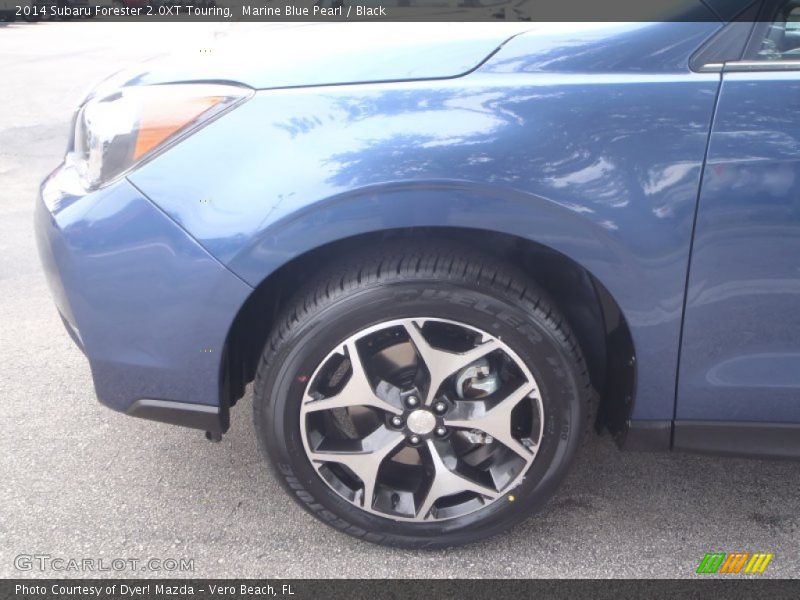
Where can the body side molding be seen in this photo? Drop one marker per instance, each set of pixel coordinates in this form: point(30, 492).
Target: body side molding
point(745, 439)
point(197, 416)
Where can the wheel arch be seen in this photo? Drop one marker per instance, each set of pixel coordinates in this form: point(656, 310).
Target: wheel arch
point(593, 313)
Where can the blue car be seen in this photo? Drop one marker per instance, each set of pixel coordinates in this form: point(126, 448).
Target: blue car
point(443, 256)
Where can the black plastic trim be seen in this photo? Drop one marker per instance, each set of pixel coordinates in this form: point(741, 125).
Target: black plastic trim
point(618, 393)
point(733, 438)
point(726, 10)
point(646, 436)
point(185, 414)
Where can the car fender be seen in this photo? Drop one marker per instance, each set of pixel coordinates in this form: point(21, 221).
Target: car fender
point(602, 168)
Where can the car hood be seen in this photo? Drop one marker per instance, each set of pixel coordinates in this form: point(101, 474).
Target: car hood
point(330, 54)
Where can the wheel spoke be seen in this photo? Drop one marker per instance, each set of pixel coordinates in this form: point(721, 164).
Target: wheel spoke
point(447, 482)
point(356, 392)
point(496, 421)
point(441, 364)
point(366, 462)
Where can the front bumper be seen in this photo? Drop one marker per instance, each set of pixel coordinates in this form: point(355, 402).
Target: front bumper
point(146, 303)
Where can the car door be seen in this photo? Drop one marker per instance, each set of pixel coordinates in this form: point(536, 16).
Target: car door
point(739, 376)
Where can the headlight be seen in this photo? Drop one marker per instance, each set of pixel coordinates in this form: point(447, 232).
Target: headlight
point(116, 131)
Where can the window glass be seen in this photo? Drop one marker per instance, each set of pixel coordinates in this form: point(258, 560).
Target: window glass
point(782, 37)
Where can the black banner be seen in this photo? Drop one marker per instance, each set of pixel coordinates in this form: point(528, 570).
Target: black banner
point(379, 10)
point(74, 589)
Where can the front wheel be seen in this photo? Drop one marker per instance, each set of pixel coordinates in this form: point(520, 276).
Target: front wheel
point(421, 398)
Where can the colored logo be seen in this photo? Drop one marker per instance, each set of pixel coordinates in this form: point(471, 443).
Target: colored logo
point(735, 562)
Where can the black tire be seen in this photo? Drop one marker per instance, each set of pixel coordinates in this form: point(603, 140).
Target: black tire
point(440, 280)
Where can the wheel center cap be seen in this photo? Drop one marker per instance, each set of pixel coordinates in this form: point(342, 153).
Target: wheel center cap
point(421, 422)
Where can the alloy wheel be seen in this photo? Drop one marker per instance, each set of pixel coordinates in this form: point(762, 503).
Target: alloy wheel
point(422, 419)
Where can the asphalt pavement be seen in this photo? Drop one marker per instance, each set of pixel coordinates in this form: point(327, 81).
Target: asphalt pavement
point(80, 481)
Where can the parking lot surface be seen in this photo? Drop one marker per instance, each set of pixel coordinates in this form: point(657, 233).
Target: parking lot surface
point(80, 481)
